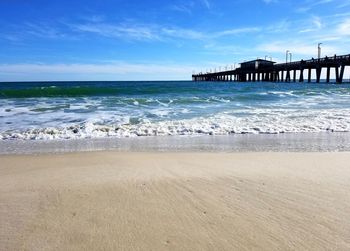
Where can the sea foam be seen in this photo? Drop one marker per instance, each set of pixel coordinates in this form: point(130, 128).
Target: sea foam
point(261, 121)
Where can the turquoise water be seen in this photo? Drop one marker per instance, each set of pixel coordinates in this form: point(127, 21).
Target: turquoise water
point(67, 110)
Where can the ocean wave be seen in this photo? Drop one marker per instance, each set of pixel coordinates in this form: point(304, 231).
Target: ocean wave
point(259, 122)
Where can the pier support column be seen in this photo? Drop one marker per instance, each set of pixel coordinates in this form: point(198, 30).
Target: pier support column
point(342, 69)
point(328, 74)
point(295, 76)
point(309, 76)
point(254, 77)
point(282, 76)
point(301, 78)
point(318, 74)
point(337, 74)
point(240, 77)
point(258, 76)
point(288, 76)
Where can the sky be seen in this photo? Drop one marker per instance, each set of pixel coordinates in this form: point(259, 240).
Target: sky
point(61, 40)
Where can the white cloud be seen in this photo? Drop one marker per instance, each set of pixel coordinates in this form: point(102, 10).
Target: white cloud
point(138, 31)
point(206, 4)
point(297, 48)
point(308, 5)
point(344, 28)
point(281, 26)
point(133, 31)
point(43, 30)
point(116, 68)
point(236, 31)
point(199, 35)
point(270, 1)
point(182, 8)
point(183, 33)
point(316, 24)
point(107, 71)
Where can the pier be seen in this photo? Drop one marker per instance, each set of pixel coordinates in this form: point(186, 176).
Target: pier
point(269, 71)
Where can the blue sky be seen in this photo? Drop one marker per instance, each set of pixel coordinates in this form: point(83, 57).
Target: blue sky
point(154, 40)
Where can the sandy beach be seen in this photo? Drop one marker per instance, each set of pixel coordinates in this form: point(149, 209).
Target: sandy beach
point(175, 201)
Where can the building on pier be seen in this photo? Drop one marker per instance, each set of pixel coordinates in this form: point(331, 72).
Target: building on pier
point(257, 64)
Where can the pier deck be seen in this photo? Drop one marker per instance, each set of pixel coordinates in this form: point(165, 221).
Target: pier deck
point(263, 70)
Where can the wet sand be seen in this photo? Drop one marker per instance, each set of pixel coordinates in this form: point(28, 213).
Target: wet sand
point(175, 201)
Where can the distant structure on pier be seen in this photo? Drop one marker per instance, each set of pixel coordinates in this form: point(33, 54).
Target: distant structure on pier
point(269, 71)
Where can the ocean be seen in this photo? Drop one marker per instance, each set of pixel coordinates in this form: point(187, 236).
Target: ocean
point(45, 111)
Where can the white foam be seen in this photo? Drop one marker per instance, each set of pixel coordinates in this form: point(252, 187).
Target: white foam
point(269, 121)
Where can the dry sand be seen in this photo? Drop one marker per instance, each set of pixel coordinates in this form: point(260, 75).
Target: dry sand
point(175, 201)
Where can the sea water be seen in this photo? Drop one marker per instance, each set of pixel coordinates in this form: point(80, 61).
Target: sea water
point(85, 110)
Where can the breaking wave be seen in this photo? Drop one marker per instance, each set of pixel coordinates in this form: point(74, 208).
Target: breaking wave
point(261, 122)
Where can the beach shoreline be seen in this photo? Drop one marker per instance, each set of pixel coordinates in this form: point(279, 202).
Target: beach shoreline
point(287, 142)
point(116, 200)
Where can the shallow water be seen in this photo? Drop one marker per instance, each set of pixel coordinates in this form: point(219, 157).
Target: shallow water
point(78, 110)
